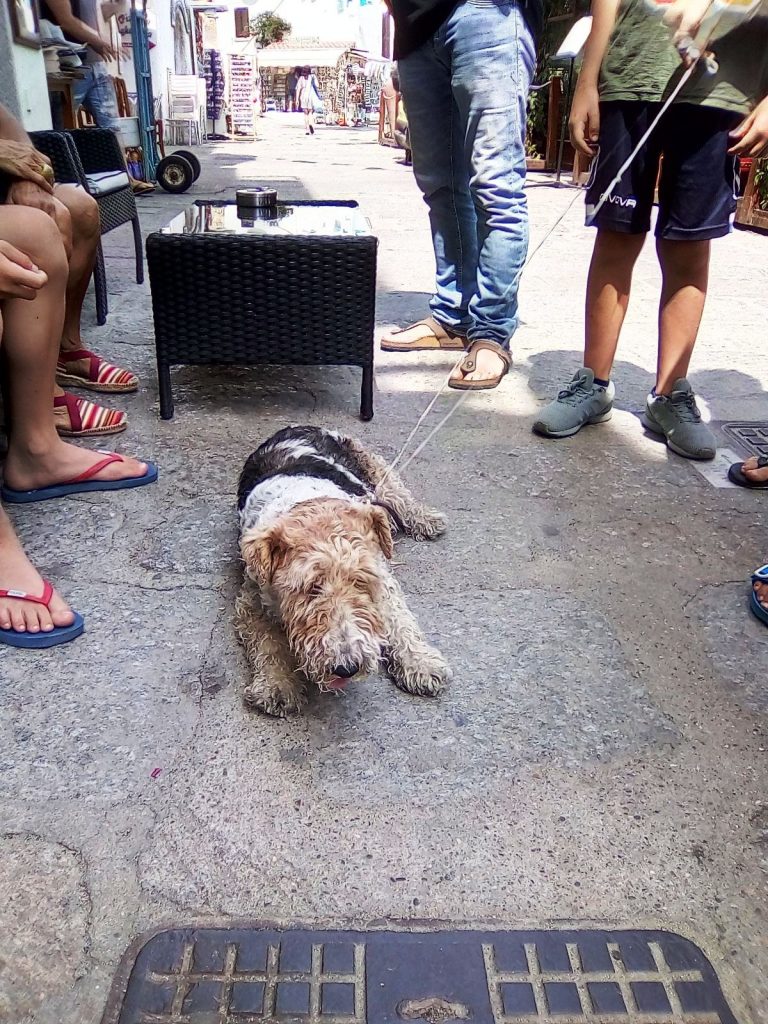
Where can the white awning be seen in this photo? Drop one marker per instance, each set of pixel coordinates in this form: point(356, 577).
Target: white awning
point(299, 58)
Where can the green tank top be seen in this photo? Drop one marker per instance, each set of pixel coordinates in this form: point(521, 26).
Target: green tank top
point(642, 65)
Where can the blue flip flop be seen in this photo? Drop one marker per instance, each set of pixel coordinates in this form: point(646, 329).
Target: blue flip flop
point(759, 576)
point(82, 484)
point(39, 641)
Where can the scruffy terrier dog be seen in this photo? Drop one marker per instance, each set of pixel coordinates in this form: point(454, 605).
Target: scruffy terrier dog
point(319, 604)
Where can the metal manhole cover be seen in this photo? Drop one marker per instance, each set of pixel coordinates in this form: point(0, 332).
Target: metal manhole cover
point(753, 437)
point(256, 974)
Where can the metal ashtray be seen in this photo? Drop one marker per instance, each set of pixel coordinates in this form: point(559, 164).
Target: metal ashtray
point(256, 198)
point(250, 214)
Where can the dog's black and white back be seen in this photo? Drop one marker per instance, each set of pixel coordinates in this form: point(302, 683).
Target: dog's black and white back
point(305, 452)
point(299, 464)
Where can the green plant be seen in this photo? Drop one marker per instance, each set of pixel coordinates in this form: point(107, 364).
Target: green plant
point(559, 16)
point(269, 28)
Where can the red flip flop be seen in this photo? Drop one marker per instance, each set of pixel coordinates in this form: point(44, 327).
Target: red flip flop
point(83, 483)
point(38, 641)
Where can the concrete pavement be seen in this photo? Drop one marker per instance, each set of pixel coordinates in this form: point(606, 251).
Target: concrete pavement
point(601, 753)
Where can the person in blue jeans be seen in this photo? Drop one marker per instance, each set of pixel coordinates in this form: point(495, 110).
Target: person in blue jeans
point(79, 20)
point(465, 70)
point(84, 21)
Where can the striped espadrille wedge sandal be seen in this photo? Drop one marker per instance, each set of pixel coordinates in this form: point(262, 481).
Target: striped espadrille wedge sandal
point(87, 419)
point(100, 375)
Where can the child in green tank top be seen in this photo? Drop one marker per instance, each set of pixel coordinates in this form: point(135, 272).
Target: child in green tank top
point(630, 67)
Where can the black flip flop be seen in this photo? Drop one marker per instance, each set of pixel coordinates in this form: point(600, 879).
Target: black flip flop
point(736, 475)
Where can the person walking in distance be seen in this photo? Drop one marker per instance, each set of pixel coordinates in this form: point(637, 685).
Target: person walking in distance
point(465, 70)
point(308, 96)
point(291, 81)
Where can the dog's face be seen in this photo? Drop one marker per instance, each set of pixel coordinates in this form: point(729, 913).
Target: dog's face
point(322, 569)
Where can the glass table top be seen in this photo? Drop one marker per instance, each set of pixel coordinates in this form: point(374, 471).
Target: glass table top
point(328, 219)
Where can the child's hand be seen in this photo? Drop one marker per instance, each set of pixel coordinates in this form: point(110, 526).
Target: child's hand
point(751, 137)
point(19, 277)
point(684, 17)
point(584, 122)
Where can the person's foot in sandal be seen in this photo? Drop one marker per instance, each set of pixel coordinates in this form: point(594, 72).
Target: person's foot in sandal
point(426, 335)
point(483, 367)
point(81, 368)
point(752, 473)
point(62, 464)
point(77, 417)
point(759, 597)
point(19, 576)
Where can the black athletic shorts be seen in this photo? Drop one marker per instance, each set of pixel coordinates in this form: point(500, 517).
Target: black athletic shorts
point(699, 179)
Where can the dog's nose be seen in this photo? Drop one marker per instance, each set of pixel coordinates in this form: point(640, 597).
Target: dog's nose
point(345, 671)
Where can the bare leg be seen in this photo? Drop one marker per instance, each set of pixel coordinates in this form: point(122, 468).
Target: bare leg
point(275, 686)
point(685, 266)
point(419, 522)
point(85, 229)
point(608, 287)
point(18, 573)
point(82, 228)
point(413, 664)
point(37, 457)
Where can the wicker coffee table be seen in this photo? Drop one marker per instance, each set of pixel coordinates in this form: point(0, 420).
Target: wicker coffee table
point(290, 286)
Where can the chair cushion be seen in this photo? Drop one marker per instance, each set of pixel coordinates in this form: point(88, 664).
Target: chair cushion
point(103, 183)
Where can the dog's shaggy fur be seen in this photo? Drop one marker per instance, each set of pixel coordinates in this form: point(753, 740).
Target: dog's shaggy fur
point(319, 604)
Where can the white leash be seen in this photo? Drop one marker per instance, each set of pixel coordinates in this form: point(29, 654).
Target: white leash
point(461, 398)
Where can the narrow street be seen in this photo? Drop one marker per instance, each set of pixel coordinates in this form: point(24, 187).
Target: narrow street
point(600, 756)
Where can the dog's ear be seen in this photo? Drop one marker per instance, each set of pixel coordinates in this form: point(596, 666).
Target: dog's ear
point(259, 550)
point(382, 529)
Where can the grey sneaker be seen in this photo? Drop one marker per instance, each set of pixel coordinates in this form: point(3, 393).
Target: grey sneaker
point(581, 401)
point(677, 419)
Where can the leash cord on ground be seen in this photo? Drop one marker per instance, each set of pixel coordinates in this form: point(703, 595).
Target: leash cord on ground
point(460, 398)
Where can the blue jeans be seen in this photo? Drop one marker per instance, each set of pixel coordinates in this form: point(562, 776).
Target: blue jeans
point(96, 92)
point(465, 94)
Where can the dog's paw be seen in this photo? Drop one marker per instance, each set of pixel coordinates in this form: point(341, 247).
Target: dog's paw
point(428, 524)
point(280, 702)
point(424, 674)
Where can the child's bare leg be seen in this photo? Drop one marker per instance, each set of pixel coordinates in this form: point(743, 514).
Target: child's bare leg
point(588, 397)
point(685, 270)
point(608, 288)
point(673, 413)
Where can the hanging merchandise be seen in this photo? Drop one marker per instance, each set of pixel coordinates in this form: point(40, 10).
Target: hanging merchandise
point(214, 88)
point(199, 48)
point(242, 95)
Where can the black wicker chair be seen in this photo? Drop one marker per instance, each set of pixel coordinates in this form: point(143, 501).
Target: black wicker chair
point(92, 157)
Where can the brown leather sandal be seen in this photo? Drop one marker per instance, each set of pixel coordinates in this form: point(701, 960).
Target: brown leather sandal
point(439, 337)
point(469, 363)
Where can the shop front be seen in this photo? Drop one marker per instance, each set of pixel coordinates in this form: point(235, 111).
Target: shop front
point(346, 91)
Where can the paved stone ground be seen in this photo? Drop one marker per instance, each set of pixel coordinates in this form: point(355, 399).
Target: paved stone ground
point(601, 753)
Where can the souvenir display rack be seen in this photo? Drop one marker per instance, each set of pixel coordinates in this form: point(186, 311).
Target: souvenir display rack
point(242, 90)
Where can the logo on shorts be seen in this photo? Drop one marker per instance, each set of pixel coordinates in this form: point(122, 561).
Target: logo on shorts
point(630, 203)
